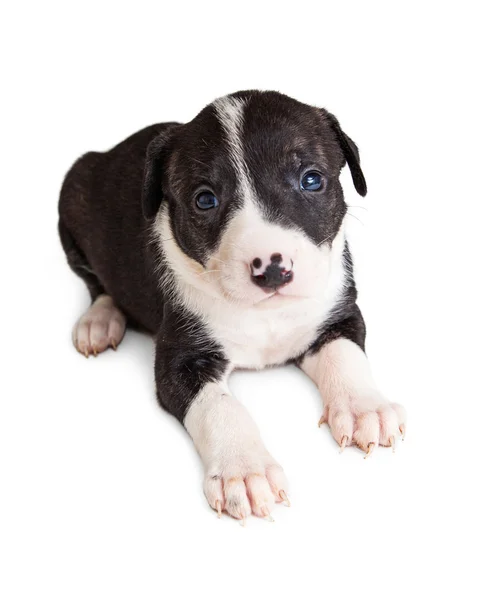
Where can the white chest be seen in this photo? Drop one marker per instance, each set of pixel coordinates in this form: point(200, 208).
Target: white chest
point(255, 338)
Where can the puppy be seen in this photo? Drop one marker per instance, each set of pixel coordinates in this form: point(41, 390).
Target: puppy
point(224, 237)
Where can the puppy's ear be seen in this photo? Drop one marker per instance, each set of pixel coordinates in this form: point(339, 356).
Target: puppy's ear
point(351, 154)
point(156, 154)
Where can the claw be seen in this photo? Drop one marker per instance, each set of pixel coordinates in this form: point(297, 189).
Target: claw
point(218, 508)
point(113, 345)
point(85, 352)
point(392, 443)
point(371, 447)
point(95, 352)
point(284, 497)
point(344, 441)
point(243, 522)
point(402, 429)
point(321, 421)
point(269, 518)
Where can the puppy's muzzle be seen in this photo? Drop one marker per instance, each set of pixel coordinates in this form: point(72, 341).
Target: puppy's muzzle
point(275, 275)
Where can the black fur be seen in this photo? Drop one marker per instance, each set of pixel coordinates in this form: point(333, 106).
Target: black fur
point(284, 138)
point(155, 164)
point(186, 359)
point(349, 324)
point(101, 213)
point(351, 154)
point(109, 201)
point(78, 262)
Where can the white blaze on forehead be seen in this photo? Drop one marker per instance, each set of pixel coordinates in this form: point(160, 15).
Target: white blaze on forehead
point(230, 113)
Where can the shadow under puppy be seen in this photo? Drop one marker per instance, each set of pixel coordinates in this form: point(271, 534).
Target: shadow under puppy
point(224, 238)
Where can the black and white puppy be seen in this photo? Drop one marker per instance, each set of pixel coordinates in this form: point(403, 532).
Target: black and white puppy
point(224, 237)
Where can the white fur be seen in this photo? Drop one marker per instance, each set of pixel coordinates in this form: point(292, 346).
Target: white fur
point(353, 406)
point(240, 473)
point(230, 115)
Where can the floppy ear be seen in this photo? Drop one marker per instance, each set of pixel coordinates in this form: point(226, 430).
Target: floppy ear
point(156, 155)
point(351, 154)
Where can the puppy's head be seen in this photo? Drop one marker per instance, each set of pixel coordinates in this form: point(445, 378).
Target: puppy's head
point(250, 194)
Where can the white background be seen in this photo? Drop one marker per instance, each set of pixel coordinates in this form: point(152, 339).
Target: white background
point(100, 490)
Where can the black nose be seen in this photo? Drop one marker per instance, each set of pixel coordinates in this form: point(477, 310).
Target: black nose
point(273, 277)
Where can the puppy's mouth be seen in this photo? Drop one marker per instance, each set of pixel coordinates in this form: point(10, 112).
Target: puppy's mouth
point(274, 291)
point(277, 295)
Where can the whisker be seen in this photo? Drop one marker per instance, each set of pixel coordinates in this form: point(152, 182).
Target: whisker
point(233, 245)
point(212, 271)
point(357, 218)
point(357, 206)
point(326, 239)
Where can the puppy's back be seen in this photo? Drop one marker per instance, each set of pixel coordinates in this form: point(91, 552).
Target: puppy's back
point(102, 226)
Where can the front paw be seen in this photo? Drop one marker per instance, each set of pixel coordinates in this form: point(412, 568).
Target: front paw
point(367, 421)
point(242, 485)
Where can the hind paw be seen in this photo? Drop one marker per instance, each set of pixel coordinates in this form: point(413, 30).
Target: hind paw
point(102, 326)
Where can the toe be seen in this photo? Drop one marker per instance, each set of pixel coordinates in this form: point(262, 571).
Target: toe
point(81, 337)
point(367, 430)
point(213, 488)
point(116, 329)
point(236, 498)
point(388, 425)
point(341, 423)
point(260, 494)
point(277, 481)
point(401, 416)
point(99, 335)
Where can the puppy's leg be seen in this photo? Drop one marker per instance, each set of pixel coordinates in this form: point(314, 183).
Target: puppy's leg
point(76, 257)
point(354, 408)
point(103, 325)
point(241, 477)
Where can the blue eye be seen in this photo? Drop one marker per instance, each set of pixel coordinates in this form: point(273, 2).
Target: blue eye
point(206, 200)
point(312, 181)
